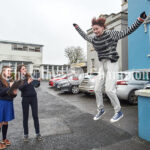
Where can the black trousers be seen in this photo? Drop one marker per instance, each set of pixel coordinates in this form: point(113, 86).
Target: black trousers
point(26, 102)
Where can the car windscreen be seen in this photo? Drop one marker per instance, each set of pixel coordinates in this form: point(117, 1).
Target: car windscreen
point(121, 76)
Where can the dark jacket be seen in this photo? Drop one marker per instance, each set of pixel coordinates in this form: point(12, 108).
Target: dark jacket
point(27, 90)
point(3, 93)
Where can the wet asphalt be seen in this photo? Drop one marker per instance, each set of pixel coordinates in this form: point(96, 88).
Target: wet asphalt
point(66, 123)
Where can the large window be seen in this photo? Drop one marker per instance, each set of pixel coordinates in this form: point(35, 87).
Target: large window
point(37, 49)
point(19, 47)
point(45, 67)
point(34, 49)
point(31, 49)
point(50, 68)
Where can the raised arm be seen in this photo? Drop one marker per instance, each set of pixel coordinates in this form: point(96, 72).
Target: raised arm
point(82, 33)
point(116, 35)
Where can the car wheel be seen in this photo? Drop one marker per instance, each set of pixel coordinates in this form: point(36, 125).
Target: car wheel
point(133, 99)
point(75, 89)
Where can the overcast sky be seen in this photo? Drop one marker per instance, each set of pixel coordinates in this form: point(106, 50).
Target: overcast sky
point(49, 22)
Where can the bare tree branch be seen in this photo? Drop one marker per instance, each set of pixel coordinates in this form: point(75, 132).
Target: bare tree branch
point(74, 54)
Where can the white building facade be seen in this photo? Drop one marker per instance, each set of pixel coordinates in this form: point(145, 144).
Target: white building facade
point(14, 53)
point(48, 71)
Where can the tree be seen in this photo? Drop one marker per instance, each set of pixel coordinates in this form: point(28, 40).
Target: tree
point(74, 54)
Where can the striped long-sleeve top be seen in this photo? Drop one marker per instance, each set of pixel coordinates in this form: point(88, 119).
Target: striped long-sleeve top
point(106, 44)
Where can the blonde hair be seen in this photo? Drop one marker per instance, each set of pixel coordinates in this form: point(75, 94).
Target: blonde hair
point(3, 80)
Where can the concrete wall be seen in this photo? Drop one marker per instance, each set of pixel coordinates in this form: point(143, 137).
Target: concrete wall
point(139, 41)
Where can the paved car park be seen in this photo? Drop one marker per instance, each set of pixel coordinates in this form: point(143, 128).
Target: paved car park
point(66, 122)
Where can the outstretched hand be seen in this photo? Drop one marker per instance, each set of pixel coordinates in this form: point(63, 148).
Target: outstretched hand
point(143, 15)
point(75, 25)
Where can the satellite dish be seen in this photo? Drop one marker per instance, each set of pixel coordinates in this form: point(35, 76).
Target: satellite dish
point(75, 75)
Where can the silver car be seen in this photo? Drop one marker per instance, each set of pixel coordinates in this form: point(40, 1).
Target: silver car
point(130, 81)
point(88, 84)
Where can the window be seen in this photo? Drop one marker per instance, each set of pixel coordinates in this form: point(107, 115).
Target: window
point(5, 63)
point(19, 47)
point(60, 67)
point(45, 67)
point(50, 68)
point(37, 49)
point(64, 68)
point(25, 48)
point(36, 74)
point(34, 49)
point(14, 47)
point(31, 49)
point(55, 67)
point(121, 76)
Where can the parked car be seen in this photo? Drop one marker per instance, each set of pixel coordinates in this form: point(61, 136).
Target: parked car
point(147, 85)
point(51, 81)
point(58, 83)
point(88, 84)
point(130, 81)
point(67, 86)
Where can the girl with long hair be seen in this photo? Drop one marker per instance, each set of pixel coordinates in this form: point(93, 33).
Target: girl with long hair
point(29, 98)
point(6, 104)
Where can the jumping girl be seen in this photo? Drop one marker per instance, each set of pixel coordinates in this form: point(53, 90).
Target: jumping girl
point(105, 43)
point(29, 98)
point(6, 104)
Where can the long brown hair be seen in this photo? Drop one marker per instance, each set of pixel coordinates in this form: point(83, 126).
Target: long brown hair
point(18, 74)
point(3, 80)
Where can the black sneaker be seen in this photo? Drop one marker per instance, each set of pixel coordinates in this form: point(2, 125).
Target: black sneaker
point(26, 138)
point(39, 137)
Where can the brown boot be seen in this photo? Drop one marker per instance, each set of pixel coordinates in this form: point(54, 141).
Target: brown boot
point(6, 142)
point(2, 146)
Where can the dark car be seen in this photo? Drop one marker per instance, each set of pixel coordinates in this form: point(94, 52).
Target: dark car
point(58, 83)
point(67, 86)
